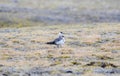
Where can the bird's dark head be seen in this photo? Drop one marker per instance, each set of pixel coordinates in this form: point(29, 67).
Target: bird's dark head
point(61, 36)
point(61, 32)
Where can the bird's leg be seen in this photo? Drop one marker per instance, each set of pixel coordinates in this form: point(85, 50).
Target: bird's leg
point(58, 46)
point(61, 46)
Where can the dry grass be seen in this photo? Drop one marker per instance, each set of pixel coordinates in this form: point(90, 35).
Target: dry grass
point(37, 53)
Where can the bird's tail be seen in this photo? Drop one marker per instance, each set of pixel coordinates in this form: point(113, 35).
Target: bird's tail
point(50, 42)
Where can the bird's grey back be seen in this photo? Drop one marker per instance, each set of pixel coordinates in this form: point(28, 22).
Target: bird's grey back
point(58, 39)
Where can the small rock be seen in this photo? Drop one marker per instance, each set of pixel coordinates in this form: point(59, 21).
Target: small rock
point(4, 74)
point(69, 71)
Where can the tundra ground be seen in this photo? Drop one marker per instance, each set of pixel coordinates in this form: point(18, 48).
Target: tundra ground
point(89, 50)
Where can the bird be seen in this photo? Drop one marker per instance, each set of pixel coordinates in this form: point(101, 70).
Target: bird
point(58, 41)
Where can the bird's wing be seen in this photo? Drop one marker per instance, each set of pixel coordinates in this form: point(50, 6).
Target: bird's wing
point(57, 39)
